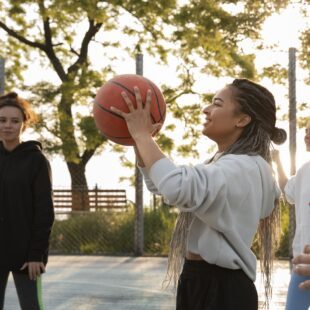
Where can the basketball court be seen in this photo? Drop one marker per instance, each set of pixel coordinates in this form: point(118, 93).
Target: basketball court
point(118, 283)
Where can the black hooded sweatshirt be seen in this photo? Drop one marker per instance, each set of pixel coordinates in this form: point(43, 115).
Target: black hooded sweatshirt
point(26, 206)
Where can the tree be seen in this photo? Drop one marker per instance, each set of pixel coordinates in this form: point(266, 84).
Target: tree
point(65, 37)
point(305, 41)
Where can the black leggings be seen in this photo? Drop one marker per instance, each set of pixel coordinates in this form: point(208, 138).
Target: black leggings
point(204, 286)
point(28, 291)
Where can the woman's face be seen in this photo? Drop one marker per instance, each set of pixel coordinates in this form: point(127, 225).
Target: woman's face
point(307, 137)
point(224, 123)
point(11, 124)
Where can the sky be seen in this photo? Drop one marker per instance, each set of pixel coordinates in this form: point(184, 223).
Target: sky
point(282, 29)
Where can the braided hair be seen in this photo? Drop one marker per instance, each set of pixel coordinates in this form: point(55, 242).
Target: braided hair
point(259, 103)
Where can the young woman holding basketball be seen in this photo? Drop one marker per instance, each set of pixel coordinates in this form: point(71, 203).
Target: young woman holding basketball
point(26, 207)
point(222, 201)
point(297, 191)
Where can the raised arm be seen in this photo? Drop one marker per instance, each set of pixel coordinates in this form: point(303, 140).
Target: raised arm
point(282, 178)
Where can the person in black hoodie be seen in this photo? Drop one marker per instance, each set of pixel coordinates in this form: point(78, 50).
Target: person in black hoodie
point(26, 205)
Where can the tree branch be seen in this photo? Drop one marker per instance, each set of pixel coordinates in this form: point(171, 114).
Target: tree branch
point(92, 30)
point(139, 19)
point(87, 155)
point(20, 38)
point(74, 51)
point(48, 47)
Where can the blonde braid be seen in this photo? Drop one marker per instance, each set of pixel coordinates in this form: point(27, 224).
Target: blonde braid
point(178, 248)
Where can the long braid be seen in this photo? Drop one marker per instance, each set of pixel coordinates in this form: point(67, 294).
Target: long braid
point(178, 248)
point(256, 139)
point(268, 231)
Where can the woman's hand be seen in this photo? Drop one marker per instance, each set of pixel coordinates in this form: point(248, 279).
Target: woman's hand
point(302, 266)
point(34, 269)
point(138, 120)
point(141, 129)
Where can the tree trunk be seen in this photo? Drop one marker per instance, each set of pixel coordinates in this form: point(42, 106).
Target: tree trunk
point(79, 187)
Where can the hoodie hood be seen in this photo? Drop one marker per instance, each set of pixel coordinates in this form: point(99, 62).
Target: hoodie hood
point(269, 185)
point(28, 146)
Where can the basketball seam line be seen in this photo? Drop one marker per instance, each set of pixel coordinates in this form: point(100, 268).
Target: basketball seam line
point(161, 116)
point(107, 110)
point(124, 87)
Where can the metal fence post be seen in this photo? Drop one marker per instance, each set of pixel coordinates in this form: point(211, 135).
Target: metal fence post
point(2, 76)
point(292, 134)
point(139, 223)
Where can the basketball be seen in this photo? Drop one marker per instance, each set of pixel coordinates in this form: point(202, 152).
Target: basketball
point(112, 125)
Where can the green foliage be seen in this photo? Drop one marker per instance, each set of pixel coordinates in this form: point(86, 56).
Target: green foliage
point(282, 250)
point(89, 133)
point(112, 233)
point(303, 121)
point(305, 51)
point(158, 228)
point(276, 73)
point(67, 38)
point(93, 233)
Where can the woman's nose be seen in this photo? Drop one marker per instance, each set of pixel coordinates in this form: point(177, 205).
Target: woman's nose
point(206, 110)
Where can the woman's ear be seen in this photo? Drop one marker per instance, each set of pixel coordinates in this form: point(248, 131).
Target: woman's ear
point(244, 120)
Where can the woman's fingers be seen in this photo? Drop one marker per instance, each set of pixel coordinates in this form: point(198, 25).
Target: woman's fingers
point(301, 259)
point(139, 102)
point(35, 269)
point(119, 112)
point(138, 98)
point(148, 100)
point(302, 270)
point(305, 285)
point(128, 101)
point(307, 249)
point(24, 266)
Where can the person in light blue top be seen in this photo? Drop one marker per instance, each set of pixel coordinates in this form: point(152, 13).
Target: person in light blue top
point(222, 201)
point(297, 192)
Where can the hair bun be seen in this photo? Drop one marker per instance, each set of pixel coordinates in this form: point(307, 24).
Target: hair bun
point(278, 136)
point(11, 95)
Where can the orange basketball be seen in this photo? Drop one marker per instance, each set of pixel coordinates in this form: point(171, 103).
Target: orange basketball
point(110, 124)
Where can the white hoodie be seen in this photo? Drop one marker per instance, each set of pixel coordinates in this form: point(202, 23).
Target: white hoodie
point(228, 198)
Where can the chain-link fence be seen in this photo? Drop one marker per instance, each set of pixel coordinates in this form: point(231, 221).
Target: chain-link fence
point(111, 231)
